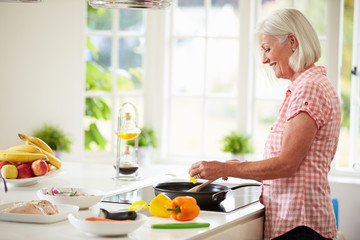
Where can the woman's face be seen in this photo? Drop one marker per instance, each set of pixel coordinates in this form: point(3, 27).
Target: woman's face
point(277, 55)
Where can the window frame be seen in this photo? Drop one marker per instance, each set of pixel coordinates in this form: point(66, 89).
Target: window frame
point(355, 93)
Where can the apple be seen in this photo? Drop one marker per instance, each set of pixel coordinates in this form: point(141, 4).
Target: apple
point(3, 164)
point(25, 171)
point(9, 171)
point(39, 167)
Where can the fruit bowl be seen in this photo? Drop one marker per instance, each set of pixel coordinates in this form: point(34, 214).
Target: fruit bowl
point(22, 182)
point(104, 228)
point(81, 197)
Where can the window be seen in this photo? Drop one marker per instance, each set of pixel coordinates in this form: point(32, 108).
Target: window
point(193, 73)
point(114, 72)
point(203, 88)
point(355, 92)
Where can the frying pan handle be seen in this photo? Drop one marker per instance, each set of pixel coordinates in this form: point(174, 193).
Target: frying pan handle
point(215, 195)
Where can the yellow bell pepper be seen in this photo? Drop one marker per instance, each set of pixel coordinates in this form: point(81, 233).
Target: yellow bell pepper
point(193, 180)
point(159, 204)
point(138, 206)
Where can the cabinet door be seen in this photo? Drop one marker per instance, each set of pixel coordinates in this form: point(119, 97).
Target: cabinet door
point(252, 230)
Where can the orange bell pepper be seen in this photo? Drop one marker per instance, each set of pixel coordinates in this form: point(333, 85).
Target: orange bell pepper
point(184, 208)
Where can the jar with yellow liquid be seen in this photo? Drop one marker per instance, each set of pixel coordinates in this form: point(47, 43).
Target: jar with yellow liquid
point(128, 130)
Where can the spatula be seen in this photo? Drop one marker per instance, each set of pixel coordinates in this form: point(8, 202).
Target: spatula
point(199, 187)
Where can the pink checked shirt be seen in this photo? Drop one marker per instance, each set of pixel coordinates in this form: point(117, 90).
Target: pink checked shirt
point(304, 199)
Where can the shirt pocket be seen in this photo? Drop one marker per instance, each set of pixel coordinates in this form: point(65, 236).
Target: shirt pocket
point(273, 143)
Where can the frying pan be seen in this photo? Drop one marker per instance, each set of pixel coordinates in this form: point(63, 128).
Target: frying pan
point(210, 195)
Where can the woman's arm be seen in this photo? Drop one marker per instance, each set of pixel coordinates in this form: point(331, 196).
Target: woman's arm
point(298, 137)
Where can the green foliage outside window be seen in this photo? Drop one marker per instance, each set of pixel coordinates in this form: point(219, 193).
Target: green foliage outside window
point(237, 143)
point(97, 79)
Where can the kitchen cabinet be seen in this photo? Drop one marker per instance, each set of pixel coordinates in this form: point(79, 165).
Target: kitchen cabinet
point(244, 223)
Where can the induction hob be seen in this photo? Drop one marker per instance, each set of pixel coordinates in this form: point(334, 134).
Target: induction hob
point(234, 200)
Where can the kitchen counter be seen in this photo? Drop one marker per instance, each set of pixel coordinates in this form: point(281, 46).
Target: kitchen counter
point(244, 223)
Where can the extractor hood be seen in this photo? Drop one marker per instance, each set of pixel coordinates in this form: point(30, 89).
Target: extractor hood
point(132, 4)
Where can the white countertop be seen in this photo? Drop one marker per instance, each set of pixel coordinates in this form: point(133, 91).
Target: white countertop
point(99, 176)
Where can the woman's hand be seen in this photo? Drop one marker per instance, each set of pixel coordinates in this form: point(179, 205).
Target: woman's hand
point(210, 169)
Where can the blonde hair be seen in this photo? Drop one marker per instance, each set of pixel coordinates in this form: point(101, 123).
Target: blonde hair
point(283, 22)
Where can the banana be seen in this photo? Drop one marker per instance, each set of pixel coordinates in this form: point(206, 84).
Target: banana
point(52, 159)
point(37, 142)
point(25, 149)
point(16, 156)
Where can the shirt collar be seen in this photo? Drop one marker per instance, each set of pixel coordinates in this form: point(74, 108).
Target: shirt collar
point(307, 73)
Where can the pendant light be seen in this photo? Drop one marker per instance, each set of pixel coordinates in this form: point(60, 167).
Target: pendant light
point(132, 4)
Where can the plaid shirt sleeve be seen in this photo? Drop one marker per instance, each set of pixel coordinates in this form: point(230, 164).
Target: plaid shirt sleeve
point(311, 98)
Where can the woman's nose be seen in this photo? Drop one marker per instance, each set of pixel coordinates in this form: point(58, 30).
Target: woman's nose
point(265, 60)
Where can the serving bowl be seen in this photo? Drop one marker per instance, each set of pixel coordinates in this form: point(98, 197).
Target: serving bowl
point(100, 228)
point(81, 197)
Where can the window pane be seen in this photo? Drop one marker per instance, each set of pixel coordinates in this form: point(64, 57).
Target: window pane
point(189, 17)
point(345, 141)
point(102, 56)
point(266, 114)
point(269, 6)
point(188, 66)
point(322, 60)
point(343, 150)
point(98, 77)
point(138, 102)
point(220, 121)
point(131, 21)
point(99, 19)
point(223, 18)
point(130, 72)
point(223, 64)
point(268, 86)
point(185, 125)
point(316, 12)
point(357, 157)
point(97, 124)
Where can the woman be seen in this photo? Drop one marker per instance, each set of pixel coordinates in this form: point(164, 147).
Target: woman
point(302, 141)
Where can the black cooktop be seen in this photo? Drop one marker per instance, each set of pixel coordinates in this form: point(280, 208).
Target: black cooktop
point(234, 200)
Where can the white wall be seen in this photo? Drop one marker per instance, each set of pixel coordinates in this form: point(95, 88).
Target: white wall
point(42, 69)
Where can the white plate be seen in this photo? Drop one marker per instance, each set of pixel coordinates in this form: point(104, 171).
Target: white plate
point(64, 210)
point(105, 228)
point(30, 181)
point(92, 197)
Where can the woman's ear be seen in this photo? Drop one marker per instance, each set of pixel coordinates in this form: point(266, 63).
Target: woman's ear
point(293, 41)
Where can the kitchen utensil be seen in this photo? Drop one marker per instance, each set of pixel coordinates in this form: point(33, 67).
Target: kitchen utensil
point(210, 195)
point(127, 215)
point(4, 180)
point(180, 225)
point(199, 187)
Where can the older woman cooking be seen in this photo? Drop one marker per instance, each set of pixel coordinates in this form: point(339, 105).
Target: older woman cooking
point(302, 141)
